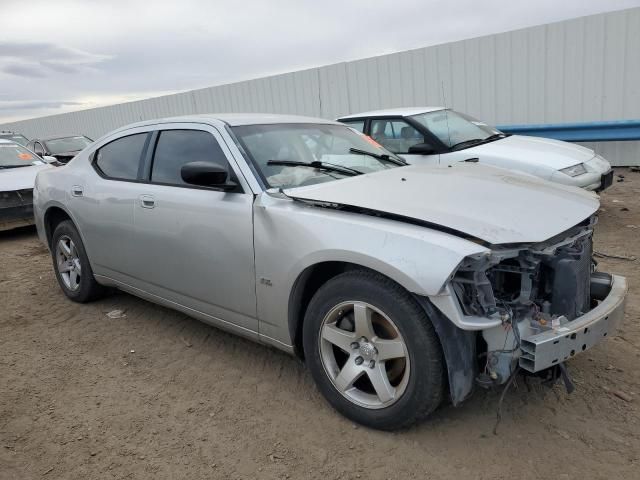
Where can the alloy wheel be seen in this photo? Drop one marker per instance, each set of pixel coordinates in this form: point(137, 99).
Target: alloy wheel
point(68, 262)
point(364, 354)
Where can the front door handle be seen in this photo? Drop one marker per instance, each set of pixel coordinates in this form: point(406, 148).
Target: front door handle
point(147, 201)
point(77, 191)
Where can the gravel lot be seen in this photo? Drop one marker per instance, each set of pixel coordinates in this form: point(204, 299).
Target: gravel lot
point(159, 395)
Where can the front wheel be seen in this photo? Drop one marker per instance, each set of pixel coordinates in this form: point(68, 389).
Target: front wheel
point(372, 351)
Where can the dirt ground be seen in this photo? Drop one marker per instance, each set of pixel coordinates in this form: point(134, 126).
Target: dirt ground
point(159, 395)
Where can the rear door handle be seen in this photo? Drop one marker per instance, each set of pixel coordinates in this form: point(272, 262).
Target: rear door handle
point(147, 201)
point(77, 191)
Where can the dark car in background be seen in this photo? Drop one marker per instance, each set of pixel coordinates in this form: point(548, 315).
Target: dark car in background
point(62, 148)
point(14, 137)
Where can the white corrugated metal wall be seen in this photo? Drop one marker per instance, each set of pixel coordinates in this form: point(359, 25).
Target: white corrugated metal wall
point(585, 69)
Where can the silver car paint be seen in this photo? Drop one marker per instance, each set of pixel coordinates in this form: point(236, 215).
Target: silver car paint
point(495, 205)
point(195, 225)
point(289, 236)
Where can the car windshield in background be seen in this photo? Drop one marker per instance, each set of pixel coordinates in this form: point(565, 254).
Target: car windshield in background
point(13, 155)
point(294, 155)
point(69, 144)
point(456, 129)
point(21, 139)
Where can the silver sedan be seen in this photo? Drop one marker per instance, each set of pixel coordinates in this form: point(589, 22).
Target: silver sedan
point(398, 285)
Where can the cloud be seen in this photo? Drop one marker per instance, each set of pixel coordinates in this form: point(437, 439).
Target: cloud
point(23, 70)
point(39, 60)
point(60, 67)
point(39, 51)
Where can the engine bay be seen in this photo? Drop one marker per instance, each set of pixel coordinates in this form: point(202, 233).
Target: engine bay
point(531, 289)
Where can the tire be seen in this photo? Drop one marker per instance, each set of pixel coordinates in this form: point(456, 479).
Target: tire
point(340, 311)
point(71, 264)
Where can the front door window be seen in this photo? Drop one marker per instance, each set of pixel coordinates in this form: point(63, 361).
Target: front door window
point(395, 135)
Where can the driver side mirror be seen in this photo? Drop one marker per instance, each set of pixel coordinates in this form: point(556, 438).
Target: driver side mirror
point(421, 149)
point(207, 174)
point(49, 159)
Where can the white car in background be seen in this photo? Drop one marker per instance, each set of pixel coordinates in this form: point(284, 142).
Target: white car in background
point(438, 135)
point(18, 169)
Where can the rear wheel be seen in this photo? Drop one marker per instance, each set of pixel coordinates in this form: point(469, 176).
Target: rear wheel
point(372, 351)
point(71, 265)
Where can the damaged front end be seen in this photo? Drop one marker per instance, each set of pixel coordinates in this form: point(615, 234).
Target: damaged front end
point(16, 209)
point(536, 306)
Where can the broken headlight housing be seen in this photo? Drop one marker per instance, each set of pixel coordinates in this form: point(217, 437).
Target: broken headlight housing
point(538, 282)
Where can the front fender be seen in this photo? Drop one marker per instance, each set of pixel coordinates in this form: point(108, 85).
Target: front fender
point(459, 350)
point(291, 236)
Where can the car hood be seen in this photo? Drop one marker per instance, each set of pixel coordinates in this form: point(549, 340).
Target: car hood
point(20, 178)
point(491, 204)
point(535, 150)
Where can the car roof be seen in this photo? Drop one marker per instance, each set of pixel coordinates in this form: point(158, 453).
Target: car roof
point(393, 112)
point(232, 119)
point(5, 135)
point(58, 137)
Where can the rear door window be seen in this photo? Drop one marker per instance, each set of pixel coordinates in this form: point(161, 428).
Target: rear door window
point(120, 159)
point(175, 148)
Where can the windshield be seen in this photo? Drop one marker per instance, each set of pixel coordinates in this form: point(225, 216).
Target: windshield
point(13, 155)
point(15, 137)
point(454, 128)
point(337, 152)
point(69, 144)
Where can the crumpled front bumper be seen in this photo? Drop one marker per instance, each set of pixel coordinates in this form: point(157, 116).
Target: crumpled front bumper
point(16, 209)
point(552, 347)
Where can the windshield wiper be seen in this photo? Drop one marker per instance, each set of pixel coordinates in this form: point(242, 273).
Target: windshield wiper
point(378, 156)
point(330, 167)
point(478, 141)
point(473, 141)
point(495, 136)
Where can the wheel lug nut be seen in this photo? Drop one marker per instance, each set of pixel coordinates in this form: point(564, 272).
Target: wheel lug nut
point(355, 345)
point(372, 363)
point(359, 360)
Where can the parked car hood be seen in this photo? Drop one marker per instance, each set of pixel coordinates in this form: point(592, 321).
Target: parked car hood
point(20, 178)
point(492, 204)
point(541, 151)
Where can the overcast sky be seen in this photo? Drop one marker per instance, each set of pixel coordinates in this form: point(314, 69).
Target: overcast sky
point(65, 55)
